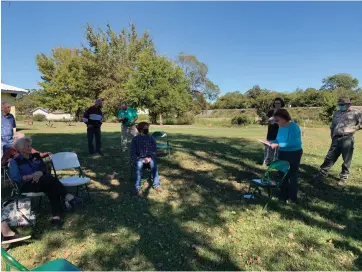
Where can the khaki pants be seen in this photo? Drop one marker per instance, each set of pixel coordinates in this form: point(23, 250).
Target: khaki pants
point(127, 134)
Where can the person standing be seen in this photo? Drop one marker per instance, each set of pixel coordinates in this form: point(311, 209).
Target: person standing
point(93, 118)
point(345, 123)
point(271, 155)
point(289, 142)
point(128, 116)
point(8, 126)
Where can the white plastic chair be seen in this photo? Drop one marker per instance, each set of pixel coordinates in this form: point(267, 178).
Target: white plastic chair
point(69, 160)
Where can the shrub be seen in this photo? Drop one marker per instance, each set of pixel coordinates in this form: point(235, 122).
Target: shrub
point(187, 118)
point(241, 120)
point(39, 117)
point(20, 117)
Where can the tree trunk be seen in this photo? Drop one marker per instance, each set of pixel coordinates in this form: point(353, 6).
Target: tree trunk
point(161, 123)
point(153, 117)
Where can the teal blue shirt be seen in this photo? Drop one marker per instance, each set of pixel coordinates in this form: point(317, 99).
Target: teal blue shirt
point(289, 138)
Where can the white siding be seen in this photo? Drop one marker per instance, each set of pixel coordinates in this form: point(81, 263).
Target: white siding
point(53, 116)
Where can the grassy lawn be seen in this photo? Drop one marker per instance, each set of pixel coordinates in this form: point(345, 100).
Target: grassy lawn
point(200, 221)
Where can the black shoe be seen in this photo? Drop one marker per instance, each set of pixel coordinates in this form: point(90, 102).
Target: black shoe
point(12, 239)
point(57, 223)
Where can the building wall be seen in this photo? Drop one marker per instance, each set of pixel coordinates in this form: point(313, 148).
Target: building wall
point(52, 116)
point(6, 97)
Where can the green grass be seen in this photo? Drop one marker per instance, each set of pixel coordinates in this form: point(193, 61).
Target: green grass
point(200, 221)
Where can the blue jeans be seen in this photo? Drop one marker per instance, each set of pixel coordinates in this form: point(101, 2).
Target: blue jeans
point(138, 169)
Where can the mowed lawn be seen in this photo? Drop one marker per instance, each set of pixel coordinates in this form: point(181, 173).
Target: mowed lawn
point(200, 220)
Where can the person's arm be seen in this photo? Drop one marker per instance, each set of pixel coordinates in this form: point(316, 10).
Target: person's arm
point(153, 148)
point(120, 116)
point(42, 154)
point(14, 173)
point(86, 117)
point(359, 120)
point(134, 156)
point(8, 154)
point(14, 126)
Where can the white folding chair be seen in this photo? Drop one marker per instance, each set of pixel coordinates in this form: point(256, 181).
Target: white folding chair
point(69, 160)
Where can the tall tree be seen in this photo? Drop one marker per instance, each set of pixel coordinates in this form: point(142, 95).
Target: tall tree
point(340, 81)
point(196, 73)
point(63, 78)
point(158, 85)
point(109, 60)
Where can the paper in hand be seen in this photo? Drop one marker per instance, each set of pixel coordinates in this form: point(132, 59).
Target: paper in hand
point(264, 142)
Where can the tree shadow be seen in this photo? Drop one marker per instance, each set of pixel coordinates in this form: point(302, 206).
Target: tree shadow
point(204, 174)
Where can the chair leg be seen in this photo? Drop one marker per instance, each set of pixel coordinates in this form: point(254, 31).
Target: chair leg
point(86, 188)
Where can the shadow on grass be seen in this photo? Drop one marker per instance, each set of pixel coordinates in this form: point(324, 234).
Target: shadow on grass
point(203, 178)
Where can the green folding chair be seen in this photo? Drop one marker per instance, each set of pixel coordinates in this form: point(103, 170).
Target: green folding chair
point(56, 265)
point(162, 141)
point(267, 183)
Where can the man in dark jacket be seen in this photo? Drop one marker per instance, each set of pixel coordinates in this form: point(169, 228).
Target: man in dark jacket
point(93, 118)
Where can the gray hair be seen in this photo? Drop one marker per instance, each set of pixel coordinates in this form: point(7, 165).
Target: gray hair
point(20, 143)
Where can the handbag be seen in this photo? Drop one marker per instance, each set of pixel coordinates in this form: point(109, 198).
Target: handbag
point(17, 212)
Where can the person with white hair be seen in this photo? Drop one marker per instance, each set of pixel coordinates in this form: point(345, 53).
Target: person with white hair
point(30, 173)
point(93, 118)
point(8, 126)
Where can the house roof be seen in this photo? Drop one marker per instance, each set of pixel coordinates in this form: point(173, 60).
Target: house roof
point(5, 88)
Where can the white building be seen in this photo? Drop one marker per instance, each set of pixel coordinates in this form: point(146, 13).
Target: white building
point(52, 115)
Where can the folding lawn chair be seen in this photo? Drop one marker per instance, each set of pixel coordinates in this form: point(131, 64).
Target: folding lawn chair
point(163, 143)
point(69, 160)
point(57, 265)
point(267, 183)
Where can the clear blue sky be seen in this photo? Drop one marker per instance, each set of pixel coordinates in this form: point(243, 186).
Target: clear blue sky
point(280, 45)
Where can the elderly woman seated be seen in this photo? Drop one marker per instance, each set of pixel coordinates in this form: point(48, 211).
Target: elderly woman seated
point(29, 171)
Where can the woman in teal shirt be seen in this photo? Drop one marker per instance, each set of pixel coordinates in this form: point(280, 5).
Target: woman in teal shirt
point(289, 142)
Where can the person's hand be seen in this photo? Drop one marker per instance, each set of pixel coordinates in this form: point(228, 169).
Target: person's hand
point(36, 176)
point(274, 146)
point(121, 119)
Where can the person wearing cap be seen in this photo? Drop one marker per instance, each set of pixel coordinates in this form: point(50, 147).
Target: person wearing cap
point(93, 118)
point(8, 126)
point(143, 153)
point(346, 121)
point(128, 116)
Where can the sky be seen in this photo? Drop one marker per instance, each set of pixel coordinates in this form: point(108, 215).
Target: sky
point(277, 45)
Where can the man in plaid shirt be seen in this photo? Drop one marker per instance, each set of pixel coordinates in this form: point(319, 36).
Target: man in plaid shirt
point(143, 153)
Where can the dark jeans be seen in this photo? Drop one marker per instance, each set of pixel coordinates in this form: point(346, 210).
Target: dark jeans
point(96, 132)
point(340, 145)
point(52, 187)
point(289, 188)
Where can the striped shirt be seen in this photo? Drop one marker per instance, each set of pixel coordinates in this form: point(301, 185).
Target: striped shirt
point(93, 116)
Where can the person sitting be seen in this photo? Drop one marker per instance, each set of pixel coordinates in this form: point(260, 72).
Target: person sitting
point(143, 152)
point(11, 152)
point(8, 236)
point(29, 171)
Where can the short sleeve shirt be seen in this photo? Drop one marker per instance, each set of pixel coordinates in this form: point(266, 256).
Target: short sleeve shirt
point(7, 125)
point(129, 113)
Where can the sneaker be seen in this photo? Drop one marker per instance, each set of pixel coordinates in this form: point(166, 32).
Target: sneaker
point(319, 177)
point(12, 239)
point(158, 189)
point(342, 183)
